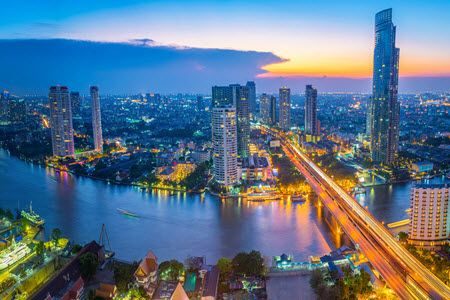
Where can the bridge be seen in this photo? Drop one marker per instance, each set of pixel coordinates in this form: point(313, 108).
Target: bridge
point(402, 272)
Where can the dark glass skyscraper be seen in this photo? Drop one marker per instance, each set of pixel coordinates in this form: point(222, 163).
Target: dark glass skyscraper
point(252, 97)
point(285, 109)
point(311, 122)
point(384, 109)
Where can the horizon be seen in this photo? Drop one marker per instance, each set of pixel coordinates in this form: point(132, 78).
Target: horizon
point(327, 44)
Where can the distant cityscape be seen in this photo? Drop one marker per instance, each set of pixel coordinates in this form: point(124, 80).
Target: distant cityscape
point(239, 144)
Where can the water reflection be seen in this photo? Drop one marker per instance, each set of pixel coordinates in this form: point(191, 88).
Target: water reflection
point(172, 224)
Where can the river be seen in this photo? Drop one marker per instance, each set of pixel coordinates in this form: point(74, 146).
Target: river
point(180, 224)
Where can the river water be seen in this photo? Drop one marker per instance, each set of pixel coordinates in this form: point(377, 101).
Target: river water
point(175, 225)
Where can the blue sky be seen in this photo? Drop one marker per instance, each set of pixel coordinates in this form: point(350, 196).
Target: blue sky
point(315, 38)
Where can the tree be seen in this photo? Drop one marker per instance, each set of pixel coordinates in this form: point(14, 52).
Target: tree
point(56, 235)
point(249, 264)
point(170, 270)
point(123, 275)
point(225, 266)
point(76, 248)
point(9, 214)
point(402, 236)
point(88, 265)
point(40, 248)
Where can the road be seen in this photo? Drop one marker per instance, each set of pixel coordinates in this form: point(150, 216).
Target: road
point(400, 269)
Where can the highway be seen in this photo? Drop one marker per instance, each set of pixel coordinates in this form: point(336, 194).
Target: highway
point(400, 269)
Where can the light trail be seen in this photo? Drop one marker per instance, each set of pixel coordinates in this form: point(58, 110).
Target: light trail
point(409, 278)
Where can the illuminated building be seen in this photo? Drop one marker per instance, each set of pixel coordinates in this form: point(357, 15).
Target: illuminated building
point(264, 108)
point(237, 96)
point(252, 97)
point(224, 145)
point(12, 254)
point(75, 100)
point(147, 272)
point(285, 109)
point(17, 111)
point(430, 224)
point(61, 121)
point(273, 110)
point(384, 109)
point(311, 121)
point(96, 120)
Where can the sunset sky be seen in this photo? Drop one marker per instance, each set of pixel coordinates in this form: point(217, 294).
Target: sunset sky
point(315, 38)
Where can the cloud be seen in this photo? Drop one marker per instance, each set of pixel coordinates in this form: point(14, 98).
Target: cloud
point(32, 65)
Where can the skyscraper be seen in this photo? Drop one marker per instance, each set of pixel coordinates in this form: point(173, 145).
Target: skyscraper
point(384, 109)
point(430, 225)
point(237, 96)
point(224, 138)
point(273, 110)
point(252, 97)
point(285, 108)
point(75, 100)
point(264, 108)
point(61, 121)
point(241, 102)
point(222, 96)
point(96, 119)
point(311, 122)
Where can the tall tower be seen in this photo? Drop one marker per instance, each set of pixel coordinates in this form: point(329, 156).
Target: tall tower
point(285, 108)
point(224, 138)
point(61, 121)
point(384, 108)
point(264, 108)
point(252, 97)
point(311, 122)
point(237, 96)
point(96, 120)
point(242, 104)
point(273, 110)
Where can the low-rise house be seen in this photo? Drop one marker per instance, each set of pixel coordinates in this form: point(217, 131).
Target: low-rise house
point(106, 291)
point(170, 290)
point(147, 272)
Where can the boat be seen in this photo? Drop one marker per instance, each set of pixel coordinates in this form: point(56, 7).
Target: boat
point(127, 212)
point(359, 190)
point(32, 216)
point(13, 254)
point(297, 198)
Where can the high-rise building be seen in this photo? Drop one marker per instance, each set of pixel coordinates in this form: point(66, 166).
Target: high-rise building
point(311, 121)
point(222, 96)
point(252, 97)
point(238, 96)
point(264, 108)
point(75, 100)
point(241, 102)
point(17, 111)
point(285, 109)
point(61, 121)
point(430, 225)
point(224, 138)
point(384, 109)
point(96, 119)
point(273, 110)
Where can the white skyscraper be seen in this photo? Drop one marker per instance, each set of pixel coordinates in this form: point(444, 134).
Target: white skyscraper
point(96, 120)
point(61, 121)
point(224, 137)
point(430, 224)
